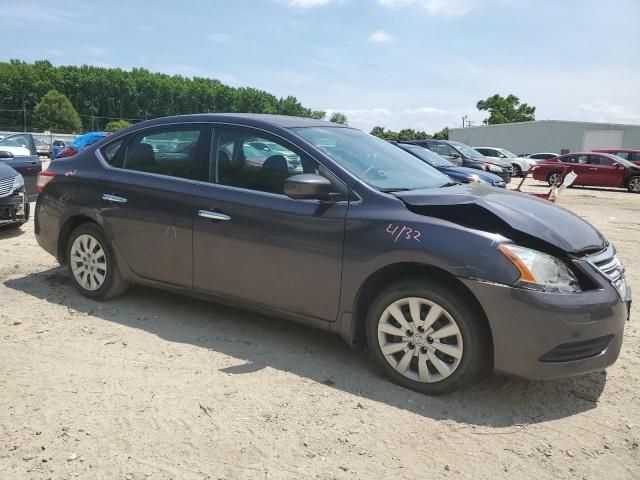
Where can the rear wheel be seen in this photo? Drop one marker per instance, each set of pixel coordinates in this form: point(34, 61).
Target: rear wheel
point(92, 264)
point(633, 185)
point(427, 337)
point(554, 178)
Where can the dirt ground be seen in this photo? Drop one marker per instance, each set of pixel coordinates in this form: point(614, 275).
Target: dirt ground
point(155, 385)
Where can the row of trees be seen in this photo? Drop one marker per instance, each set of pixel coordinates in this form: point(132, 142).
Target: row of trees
point(409, 134)
point(101, 95)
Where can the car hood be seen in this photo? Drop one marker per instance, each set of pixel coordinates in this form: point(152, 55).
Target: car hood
point(498, 161)
point(512, 214)
point(6, 171)
point(466, 172)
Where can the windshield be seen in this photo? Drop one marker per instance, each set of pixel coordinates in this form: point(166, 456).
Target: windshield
point(508, 153)
point(428, 156)
point(374, 161)
point(624, 162)
point(467, 150)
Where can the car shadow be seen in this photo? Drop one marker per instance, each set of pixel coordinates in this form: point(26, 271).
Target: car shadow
point(8, 231)
point(319, 356)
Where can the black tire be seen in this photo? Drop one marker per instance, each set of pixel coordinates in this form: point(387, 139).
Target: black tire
point(113, 284)
point(633, 184)
point(13, 226)
point(517, 171)
point(553, 175)
point(476, 356)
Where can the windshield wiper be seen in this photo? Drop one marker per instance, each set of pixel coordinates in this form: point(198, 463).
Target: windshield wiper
point(392, 190)
point(449, 184)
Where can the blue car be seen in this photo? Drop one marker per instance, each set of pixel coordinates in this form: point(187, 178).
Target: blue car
point(461, 174)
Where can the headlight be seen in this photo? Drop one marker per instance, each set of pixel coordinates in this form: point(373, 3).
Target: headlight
point(492, 168)
point(540, 271)
point(18, 182)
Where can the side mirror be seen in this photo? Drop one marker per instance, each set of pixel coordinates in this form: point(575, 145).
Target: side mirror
point(307, 186)
point(4, 155)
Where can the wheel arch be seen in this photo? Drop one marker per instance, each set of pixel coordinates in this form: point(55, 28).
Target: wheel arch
point(69, 225)
point(400, 271)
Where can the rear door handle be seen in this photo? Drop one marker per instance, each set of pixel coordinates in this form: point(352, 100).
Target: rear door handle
point(113, 198)
point(213, 215)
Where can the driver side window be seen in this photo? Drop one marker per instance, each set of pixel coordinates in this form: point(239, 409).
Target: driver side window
point(246, 159)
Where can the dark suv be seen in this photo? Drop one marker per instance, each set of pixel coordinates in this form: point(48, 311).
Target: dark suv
point(465, 156)
point(440, 280)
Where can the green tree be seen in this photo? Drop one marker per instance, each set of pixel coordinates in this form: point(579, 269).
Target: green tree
point(442, 134)
point(506, 110)
point(337, 117)
point(55, 112)
point(116, 125)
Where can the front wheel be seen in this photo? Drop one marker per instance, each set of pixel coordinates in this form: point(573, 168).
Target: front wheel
point(92, 264)
point(517, 171)
point(633, 185)
point(427, 337)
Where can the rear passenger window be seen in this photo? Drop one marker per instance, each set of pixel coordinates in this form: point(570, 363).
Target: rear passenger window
point(114, 153)
point(171, 152)
point(625, 155)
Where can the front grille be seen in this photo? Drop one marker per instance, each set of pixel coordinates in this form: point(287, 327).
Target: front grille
point(6, 186)
point(571, 352)
point(611, 267)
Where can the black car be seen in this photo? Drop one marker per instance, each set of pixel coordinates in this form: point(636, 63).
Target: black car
point(442, 281)
point(19, 152)
point(465, 156)
point(461, 174)
point(14, 208)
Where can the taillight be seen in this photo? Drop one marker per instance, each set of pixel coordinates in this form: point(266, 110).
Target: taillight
point(44, 178)
point(67, 152)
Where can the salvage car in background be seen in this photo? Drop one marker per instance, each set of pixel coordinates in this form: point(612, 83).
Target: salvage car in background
point(461, 174)
point(19, 152)
point(14, 206)
point(465, 156)
point(441, 280)
point(593, 169)
point(43, 148)
point(520, 164)
point(628, 154)
point(81, 142)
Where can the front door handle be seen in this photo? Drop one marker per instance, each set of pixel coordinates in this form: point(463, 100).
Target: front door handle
point(213, 215)
point(113, 198)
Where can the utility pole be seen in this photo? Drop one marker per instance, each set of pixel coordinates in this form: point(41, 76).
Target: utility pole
point(464, 120)
point(24, 115)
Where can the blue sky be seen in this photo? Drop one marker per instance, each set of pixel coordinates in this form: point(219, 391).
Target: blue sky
point(394, 63)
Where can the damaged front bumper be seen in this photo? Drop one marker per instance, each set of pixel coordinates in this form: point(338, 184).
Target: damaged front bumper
point(14, 208)
point(538, 335)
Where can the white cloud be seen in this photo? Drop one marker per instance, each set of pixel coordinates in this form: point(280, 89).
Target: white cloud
point(381, 37)
point(95, 51)
point(601, 110)
point(445, 8)
point(218, 37)
point(306, 3)
point(426, 111)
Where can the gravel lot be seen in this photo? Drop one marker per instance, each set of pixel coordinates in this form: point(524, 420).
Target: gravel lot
point(155, 385)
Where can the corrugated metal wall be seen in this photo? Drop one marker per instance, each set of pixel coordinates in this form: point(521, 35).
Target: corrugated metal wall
point(541, 136)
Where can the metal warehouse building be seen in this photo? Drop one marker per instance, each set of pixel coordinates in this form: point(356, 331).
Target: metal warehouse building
point(549, 136)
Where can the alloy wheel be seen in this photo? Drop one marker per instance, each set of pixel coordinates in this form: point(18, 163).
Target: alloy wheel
point(420, 339)
point(88, 262)
point(634, 184)
point(555, 179)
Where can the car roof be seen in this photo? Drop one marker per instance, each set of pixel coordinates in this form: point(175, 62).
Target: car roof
point(608, 150)
point(255, 119)
point(604, 154)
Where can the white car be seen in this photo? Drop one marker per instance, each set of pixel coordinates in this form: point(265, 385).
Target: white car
point(539, 157)
point(520, 164)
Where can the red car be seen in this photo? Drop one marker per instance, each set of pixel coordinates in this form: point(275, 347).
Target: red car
point(626, 153)
point(593, 169)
